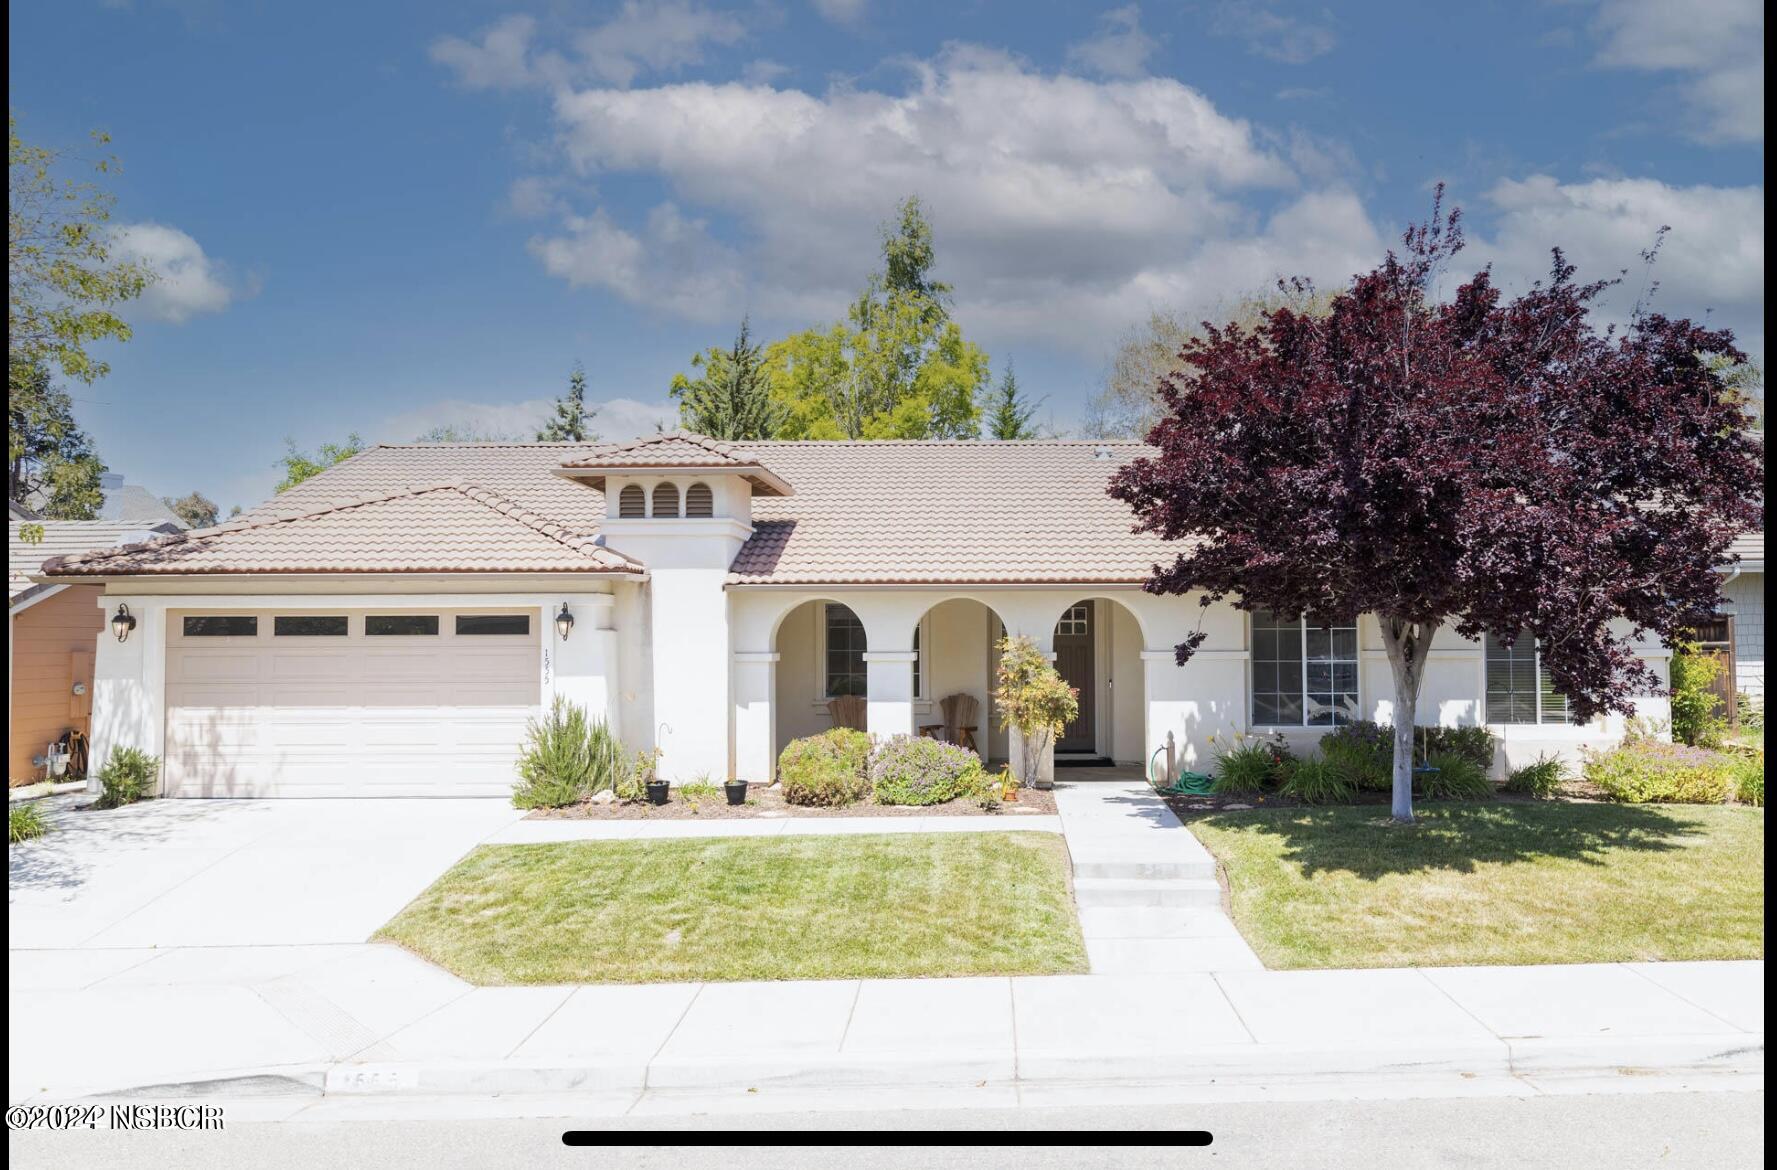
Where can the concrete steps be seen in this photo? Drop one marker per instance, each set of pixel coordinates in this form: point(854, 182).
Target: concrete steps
point(1162, 869)
point(1177, 892)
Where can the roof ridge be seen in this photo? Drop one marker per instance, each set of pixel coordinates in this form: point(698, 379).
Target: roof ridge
point(587, 546)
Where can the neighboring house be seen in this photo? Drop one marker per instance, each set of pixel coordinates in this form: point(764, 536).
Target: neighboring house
point(52, 636)
point(1737, 636)
point(129, 502)
point(389, 626)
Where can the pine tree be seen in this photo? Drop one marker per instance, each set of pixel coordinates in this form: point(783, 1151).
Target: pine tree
point(1009, 410)
point(571, 415)
point(732, 397)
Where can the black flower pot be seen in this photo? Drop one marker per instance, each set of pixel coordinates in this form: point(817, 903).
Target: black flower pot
point(736, 790)
point(657, 790)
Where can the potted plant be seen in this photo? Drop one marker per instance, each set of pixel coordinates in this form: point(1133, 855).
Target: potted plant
point(736, 791)
point(645, 772)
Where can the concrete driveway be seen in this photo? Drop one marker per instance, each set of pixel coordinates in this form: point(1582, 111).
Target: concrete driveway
point(214, 873)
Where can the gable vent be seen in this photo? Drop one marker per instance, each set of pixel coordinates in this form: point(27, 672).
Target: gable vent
point(666, 500)
point(632, 503)
point(699, 500)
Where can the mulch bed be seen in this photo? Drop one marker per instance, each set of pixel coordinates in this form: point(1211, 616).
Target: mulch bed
point(1187, 807)
point(769, 803)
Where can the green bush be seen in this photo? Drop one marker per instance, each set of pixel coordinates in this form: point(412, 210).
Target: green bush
point(1648, 770)
point(916, 770)
point(826, 770)
point(1315, 781)
point(1696, 708)
point(1542, 779)
point(131, 774)
point(566, 758)
point(1749, 778)
point(1474, 744)
point(1359, 764)
point(25, 822)
point(1249, 765)
point(1457, 777)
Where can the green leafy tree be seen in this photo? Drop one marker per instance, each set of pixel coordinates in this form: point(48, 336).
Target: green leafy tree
point(1009, 410)
point(63, 282)
point(301, 465)
point(731, 396)
point(897, 367)
point(570, 424)
point(196, 509)
point(53, 468)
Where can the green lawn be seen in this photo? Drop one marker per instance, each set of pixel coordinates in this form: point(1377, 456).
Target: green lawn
point(874, 906)
point(1494, 883)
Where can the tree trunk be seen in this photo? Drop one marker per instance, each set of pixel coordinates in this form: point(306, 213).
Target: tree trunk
point(1407, 643)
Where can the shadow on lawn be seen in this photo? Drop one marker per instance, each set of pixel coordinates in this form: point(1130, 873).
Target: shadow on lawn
point(1365, 843)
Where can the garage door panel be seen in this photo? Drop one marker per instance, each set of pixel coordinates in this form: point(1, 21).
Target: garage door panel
point(425, 716)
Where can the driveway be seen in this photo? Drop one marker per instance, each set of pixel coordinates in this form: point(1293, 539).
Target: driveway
point(213, 873)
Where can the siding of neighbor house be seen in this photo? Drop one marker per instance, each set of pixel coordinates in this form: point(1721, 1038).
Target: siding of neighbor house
point(1746, 601)
point(46, 640)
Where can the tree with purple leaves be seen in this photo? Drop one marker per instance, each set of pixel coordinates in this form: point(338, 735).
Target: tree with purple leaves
point(1490, 464)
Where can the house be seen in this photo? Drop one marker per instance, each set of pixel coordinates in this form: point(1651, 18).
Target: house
point(53, 630)
point(389, 626)
point(1737, 635)
point(133, 503)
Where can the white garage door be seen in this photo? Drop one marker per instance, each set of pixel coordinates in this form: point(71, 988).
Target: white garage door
point(311, 703)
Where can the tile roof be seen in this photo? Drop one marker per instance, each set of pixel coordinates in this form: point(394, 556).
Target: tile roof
point(438, 528)
point(65, 538)
point(133, 502)
point(667, 449)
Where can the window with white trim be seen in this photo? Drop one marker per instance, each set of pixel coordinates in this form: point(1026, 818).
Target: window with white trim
point(1304, 674)
point(843, 648)
point(1519, 687)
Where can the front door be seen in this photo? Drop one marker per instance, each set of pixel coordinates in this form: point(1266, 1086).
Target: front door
point(1074, 635)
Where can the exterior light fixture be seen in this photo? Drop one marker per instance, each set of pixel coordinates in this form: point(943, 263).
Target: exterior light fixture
point(564, 622)
point(122, 622)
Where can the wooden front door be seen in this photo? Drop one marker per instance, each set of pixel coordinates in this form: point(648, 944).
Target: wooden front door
point(1074, 653)
point(1716, 639)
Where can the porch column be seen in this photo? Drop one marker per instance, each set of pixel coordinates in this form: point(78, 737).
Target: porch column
point(755, 685)
point(889, 706)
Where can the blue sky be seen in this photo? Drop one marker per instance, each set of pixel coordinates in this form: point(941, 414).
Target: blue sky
point(384, 217)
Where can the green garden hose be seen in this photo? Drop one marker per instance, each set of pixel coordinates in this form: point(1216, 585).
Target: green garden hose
point(1187, 784)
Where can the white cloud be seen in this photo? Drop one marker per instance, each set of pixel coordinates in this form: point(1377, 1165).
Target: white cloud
point(617, 418)
point(841, 11)
point(499, 60)
point(763, 72)
point(1119, 49)
point(187, 283)
point(534, 196)
point(1288, 39)
point(642, 36)
point(1062, 204)
point(1710, 267)
point(1718, 45)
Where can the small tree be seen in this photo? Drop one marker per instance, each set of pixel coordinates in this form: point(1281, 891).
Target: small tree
point(1695, 705)
point(1033, 698)
point(1009, 410)
point(570, 424)
point(1498, 465)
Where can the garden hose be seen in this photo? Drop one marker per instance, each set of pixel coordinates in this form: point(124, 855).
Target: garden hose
point(1187, 784)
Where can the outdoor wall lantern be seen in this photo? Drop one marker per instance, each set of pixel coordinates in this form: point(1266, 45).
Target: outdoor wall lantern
point(564, 622)
point(122, 622)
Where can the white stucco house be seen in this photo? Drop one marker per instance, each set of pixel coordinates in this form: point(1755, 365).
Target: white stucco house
point(389, 626)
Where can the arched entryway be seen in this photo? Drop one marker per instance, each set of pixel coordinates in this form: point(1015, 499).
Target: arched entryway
point(1097, 642)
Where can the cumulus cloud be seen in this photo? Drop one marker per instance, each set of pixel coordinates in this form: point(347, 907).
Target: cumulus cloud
point(1710, 267)
point(187, 283)
point(1288, 39)
point(1717, 46)
point(1120, 48)
point(841, 11)
point(640, 37)
point(617, 418)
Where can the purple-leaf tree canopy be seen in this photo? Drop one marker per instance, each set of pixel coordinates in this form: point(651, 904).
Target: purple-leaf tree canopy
point(1491, 464)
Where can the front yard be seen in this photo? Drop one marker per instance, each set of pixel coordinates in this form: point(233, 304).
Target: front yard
point(733, 908)
point(1494, 884)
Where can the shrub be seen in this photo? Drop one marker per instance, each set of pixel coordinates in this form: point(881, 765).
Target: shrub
point(1359, 764)
point(700, 789)
point(1752, 713)
point(1749, 778)
point(1647, 770)
point(131, 774)
point(1474, 744)
point(826, 770)
point(1031, 696)
point(1457, 777)
point(1315, 781)
point(917, 770)
point(1542, 779)
point(566, 757)
point(1696, 718)
point(25, 822)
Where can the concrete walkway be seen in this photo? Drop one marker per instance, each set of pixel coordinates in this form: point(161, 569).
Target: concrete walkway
point(1147, 891)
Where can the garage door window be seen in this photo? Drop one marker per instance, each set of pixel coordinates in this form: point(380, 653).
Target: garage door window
point(493, 623)
point(222, 626)
point(328, 626)
point(401, 624)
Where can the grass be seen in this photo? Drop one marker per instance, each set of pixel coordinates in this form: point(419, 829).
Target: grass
point(1494, 884)
point(870, 906)
point(25, 822)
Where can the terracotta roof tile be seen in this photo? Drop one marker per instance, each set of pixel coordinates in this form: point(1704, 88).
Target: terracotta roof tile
point(63, 538)
point(668, 449)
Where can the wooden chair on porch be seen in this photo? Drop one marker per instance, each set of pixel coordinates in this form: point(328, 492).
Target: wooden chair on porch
point(960, 712)
point(849, 711)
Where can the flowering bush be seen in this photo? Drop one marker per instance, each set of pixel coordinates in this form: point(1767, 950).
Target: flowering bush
point(1648, 770)
point(826, 769)
point(910, 770)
